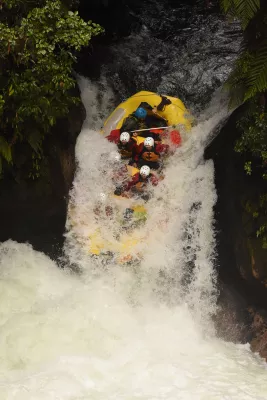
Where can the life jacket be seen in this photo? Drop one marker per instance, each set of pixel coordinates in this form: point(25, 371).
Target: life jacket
point(126, 150)
point(141, 183)
point(138, 183)
point(151, 155)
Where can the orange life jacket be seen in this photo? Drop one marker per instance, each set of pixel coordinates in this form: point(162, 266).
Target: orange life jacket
point(140, 186)
point(149, 155)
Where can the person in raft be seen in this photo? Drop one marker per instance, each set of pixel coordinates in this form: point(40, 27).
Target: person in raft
point(139, 181)
point(127, 146)
point(148, 153)
point(140, 119)
point(144, 117)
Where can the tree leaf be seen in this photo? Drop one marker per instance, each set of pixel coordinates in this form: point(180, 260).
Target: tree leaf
point(5, 149)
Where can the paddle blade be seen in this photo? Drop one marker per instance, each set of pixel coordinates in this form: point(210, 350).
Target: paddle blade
point(175, 138)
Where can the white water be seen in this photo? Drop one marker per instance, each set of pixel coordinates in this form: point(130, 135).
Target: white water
point(115, 332)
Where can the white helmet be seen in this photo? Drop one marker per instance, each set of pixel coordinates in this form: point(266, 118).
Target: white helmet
point(125, 137)
point(102, 197)
point(149, 141)
point(114, 156)
point(145, 170)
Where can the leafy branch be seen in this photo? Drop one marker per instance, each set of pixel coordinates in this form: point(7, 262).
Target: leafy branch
point(37, 54)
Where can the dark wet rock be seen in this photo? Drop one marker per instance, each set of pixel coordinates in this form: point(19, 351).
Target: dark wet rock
point(34, 211)
point(232, 320)
point(240, 251)
point(259, 331)
point(241, 259)
point(185, 49)
point(118, 17)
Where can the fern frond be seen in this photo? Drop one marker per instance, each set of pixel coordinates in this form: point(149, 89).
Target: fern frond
point(256, 77)
point(237, 94)
point(236, 82)
point(259, 85)
point(226, 5)
point(241, 9)
point(5, 149)
point(246, 9)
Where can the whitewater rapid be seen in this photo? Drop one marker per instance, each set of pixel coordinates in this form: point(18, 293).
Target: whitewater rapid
point(114, 332)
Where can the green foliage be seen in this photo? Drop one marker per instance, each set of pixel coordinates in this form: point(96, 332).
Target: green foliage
point(254, 136)
point(257, 209)
point(253, 143)
point(36, 166)
point(245, 10)
point(247, 167)
point(249, 76)
point(37, 54)
point(236, 83)
point(256, 78)
point(2, 102)
point(5, 149)
point(262, 231)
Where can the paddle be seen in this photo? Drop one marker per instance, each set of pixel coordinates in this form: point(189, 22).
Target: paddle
point(175, 136)
point(149, 129)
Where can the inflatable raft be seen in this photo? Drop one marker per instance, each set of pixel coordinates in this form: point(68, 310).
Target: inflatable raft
point(175, 113)
point(125, 248)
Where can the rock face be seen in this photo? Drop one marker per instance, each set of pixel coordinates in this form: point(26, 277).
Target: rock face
point(183, 48)
point(259, 331)
point(242, 262)
point(35, 210)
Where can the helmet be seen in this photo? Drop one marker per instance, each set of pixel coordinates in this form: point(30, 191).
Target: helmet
point(149, 141)
point(125, 137)
point(145, 170)
point(114, 156)
point(102, 197)
point(140, 112)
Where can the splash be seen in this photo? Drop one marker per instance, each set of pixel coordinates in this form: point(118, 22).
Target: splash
point(177, 240)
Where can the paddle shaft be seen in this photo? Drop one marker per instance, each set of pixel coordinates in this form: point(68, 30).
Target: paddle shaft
point(149, 129)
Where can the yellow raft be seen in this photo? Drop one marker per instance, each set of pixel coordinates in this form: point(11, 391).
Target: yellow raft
point(176, 115)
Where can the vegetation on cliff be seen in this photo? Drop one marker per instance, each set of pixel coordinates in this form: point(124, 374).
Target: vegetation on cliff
point(247, 85)
point(39, 41)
